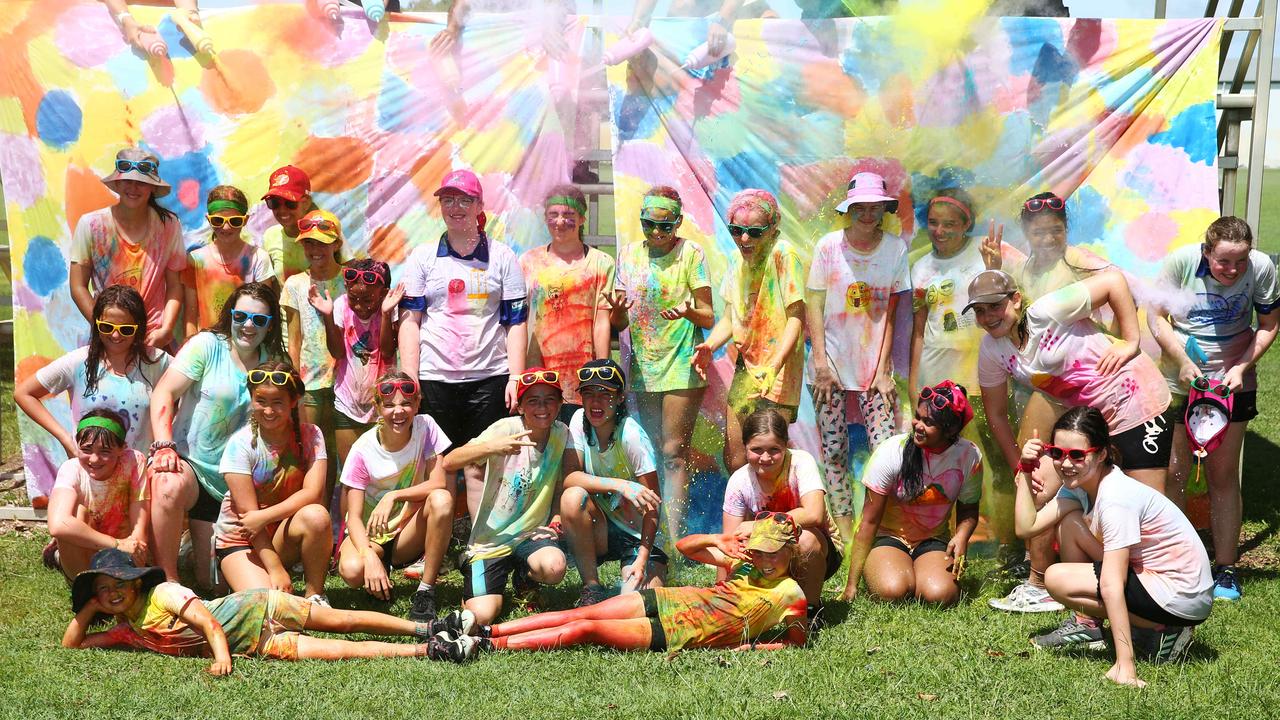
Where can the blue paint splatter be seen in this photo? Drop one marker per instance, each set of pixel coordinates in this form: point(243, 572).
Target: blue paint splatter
point(747, 169)
point(1053, 66)
point(1124, 93)
point(130, 73)
point(44, 265)
point(1193, 130)
point(636, 118)
point(1027, 38)
point(190, 166)
point(179, 46)
point(1088, 214)
point(58, 119)
point(872, 55)
point(395, 106)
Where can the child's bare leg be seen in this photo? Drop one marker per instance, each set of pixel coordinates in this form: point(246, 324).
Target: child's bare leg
point(333, 620)
point(351, 563)
point(344, 438)
point(74, 559)
point(934, 582)
point(890, 574)
point(629, 634)
point(172, 495)
point(484, 607)
point(547, 566)
point(308, 535)
point(439, 520)
point(314, 648)
point(585, 529)
point(735, 453)
point(678, 414)
point(810, 564)
point(619, 607)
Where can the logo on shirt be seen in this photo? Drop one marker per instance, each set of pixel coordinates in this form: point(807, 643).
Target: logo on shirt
point(1212, 308)
point(858, 296)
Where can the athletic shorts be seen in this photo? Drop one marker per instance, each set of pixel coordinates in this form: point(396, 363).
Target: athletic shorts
point(464, 409)
point(489, 577)
point(343, 421)
point(920, 549)
point(207, 506)
point(835, 556)
point(1147, 446)
point(261, 622)
point(624, 547)
point(1140, 602)
point(1244, 407)
point(658, 636)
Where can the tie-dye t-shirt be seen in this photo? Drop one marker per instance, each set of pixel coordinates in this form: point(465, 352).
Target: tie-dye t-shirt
point(1061, 360)
point(361, 366)
point(129, 395)
point(951, 337)
point(113, 260)
point(287, 256)
point(1164, 550)
point(756, 301)
point(371, 468)
point(855, 314)
point(951, 476)
point(661, 350)
point(517, 493)
point(213, 408)
point(317, 364)
point(214, 281)
point(563, 299)
point(628, 457)
point(1218, 316)
point(730, 613)
point(254, 622)
point(277, 473)
point(106, 502)
point(744, 496)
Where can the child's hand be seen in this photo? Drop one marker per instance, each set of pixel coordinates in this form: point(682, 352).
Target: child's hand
point(618, 303)
point(824, 382)
point(253, 521)
point(320, 300)
point(1032, 450)
point(511, 444)
point(677, 312)
point(730, 545)
point(849, 593)
point(640, 497)
point(135, 547)
point(633, 574)
point(220, 668)
point(990, 247)
point(764, 376)
point(280, 580)
point(393, 298)
point(701, 359)
point(956, 550)
point(381, 515)
point(743, 531)
point(376, 582)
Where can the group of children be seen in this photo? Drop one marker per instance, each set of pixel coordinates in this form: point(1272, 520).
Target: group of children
point(481, 387)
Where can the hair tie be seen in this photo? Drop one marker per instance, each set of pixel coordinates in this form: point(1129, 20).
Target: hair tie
point(215, 205)
point(108, 424)
point(968, 214)
point(658, 202)
point(567, 201)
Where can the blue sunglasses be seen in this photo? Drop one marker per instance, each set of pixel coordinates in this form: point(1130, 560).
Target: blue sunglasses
point(240, 317)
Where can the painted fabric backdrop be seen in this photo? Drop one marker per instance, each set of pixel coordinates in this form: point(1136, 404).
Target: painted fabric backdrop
point(1116, 115)
point(369, 111)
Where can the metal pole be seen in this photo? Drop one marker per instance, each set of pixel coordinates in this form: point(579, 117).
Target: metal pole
point(1230, 161)
point(1258, 135)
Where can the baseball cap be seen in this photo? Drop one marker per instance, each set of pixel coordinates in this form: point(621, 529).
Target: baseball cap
point(990, 286)
point(320, 225)
point(535, 376)
point(463, 181)
point(603, 373)
point(770, 534)
point(289, 183)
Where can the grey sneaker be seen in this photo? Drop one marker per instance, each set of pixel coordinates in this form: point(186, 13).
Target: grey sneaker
point(1071, 633)
point(1161, 646)
point(591, 594)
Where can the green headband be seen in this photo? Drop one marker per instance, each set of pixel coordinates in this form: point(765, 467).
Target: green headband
point(661, 203)
point(108, 424)
point(567, 201)
point(216, 205)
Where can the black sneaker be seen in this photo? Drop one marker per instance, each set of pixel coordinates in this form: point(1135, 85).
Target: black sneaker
point(1160, 646)
point(422, 608)
point(592, 593)
point(451, 649)
point(456, 622)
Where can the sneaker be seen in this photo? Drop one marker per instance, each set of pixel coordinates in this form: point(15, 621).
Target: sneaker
point(1027, 598)
point(50, 557)
point(524, 589)
point(422, 607)
point(591, 594)
point(452, 649)
point(318, 599)
point(456, 622)
point(1225, 584)
point(1070, 633)
point(1160, 646)
point(414, 571)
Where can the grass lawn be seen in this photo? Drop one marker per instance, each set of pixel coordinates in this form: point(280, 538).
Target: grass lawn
point(876, 660)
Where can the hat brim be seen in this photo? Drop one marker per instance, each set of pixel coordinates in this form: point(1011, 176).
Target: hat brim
point(984, 299)
point(314, 234)
point(285, 195)
point(82, 587)
point(596, 382)
point(161, 187)
point(765, 545)
point(892, 207)
point(451, 190)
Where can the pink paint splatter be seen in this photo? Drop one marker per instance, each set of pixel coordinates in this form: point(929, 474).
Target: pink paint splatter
point(87, 36)
point(1150, 235)
point(169, 132)
point(189, 193)
point(23, 173)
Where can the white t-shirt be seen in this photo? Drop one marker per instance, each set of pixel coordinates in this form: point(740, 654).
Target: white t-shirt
point(855, 314)
point(629, 456)
point(1061, 360)
point(1164, 550)
point(277, 472)
point(129, 395)
point(461, 338)
point(951, 476)
point(744, 496)
point(371, 468)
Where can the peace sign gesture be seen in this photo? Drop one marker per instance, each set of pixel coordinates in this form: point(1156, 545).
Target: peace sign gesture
point(991, 244)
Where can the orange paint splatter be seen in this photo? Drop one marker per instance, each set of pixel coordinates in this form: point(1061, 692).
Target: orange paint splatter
point(19, 80)
point(389, 244)
point(429, 170)
point(238, 84)
point(28, 366)
point(335, 164)
point(825, 85)
point(84, 193)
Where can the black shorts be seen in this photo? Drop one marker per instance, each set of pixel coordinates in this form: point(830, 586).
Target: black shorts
point(835, 556)
point(624, 547)
point(658, 636)
point(207, 506)
point(343, 421)
point(923, 547)
point(489, 577)
point(463, 410)
point(1140, 603)
point(1147, 446)
point(226, 552)
point(1244, 407)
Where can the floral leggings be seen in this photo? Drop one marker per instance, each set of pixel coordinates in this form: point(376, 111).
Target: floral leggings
point(833, 433)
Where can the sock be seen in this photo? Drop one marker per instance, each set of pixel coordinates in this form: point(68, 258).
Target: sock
point(425, 586)
point(1036, 578)
point(1086, 620)
point(422, 630)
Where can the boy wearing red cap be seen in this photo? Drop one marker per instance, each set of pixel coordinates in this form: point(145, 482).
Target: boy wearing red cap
point(522, 462)
point(289, 199)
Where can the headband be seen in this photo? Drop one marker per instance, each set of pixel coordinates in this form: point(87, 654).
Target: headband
point(968, 214)
point(661, 203)
point(108, 424)
point(216, 205)
point(567, 201)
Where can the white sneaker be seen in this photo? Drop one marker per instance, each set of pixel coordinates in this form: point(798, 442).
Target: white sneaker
point(321, 600)
point(1027, 598)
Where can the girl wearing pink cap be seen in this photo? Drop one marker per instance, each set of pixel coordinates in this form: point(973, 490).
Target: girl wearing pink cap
point(904, 545)
point(135, 243)
point(856, 280)
point(764, 301)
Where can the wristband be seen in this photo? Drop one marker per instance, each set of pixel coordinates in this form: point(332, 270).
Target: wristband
point(159, 445)
point(555, 525)
point(121, 16)
point(1026, 467)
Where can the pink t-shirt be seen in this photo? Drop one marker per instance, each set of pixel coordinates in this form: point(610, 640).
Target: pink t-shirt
point(113, 260)
point(107, 502)
point(1061, 360)
point(1164, 550)
point(951, 476)
point(372, 468)
point(362, 365)
point(744, 497)
point(214, 280)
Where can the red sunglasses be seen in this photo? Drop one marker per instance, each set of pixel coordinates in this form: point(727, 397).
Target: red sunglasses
point(389, 388)
point(779, 517)
point(1077, 455)
point(1037, 204)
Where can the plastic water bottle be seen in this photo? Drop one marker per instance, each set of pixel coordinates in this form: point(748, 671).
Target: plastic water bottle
point(628, 47)
point(701, 57)
point(152, 43)
point(196, 35)
point(375, 10)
